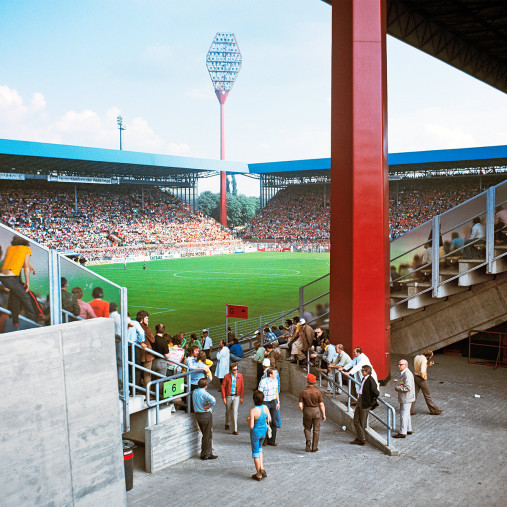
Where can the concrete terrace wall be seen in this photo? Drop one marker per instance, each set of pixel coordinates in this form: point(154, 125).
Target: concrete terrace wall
point(60, 431)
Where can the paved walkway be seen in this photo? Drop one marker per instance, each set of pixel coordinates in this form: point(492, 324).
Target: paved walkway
point(457, 458)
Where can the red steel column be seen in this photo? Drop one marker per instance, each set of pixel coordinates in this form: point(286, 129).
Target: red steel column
point(359, 281)
point(223, 174)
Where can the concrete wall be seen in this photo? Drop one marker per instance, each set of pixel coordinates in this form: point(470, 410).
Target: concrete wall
point(483, 306)
point(60, 429)
point(171, 442)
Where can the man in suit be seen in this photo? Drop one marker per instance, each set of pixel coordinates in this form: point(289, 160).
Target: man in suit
point(233, 391)
point(367, 396)
point(406, 396)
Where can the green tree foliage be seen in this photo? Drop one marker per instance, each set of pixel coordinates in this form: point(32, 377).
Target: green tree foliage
point(240, 208)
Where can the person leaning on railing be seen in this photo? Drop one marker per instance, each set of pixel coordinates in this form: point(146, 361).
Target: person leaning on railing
point(135, 334)
point(197, 369)
point(17, 257)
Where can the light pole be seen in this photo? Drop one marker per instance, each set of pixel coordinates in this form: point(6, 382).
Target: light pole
point(119, 121)
point(223, 62)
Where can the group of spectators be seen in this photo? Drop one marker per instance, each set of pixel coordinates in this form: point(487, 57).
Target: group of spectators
point(105, 218)
point(296, 214)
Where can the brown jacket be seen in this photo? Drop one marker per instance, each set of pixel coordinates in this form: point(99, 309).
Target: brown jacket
point(308, 337)
point(148, 340)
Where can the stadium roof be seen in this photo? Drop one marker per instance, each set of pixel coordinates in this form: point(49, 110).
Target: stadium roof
point(29, 157)
point(488, 156)
point(470, 35)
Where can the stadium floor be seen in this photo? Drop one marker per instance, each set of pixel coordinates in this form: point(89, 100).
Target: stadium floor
point(191, 293)
point(457, 458)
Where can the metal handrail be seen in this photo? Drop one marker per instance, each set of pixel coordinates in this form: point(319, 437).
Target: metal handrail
point(390, 424)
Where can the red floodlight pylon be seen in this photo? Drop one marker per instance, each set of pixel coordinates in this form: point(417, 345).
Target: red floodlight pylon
point(223, 62)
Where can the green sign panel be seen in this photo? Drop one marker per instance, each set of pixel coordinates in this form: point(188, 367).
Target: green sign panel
point(174, 387)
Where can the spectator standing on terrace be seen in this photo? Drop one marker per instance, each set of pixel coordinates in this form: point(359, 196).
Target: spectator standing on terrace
point(69, 302)
point(354, 367)
point(146, 358)
point(233, 392)
point(367, 397)
point(197, 370)
point(274, 356)
point(304, 341)
point(207, 343)
point(17, 257)
point(193, 341)
point(269, 336)
point(135, 334)
point(115, 316)
point(85, 310)
point(99, 306)
point(269, 386)
point(223, 361)
point(176, 353)
point(311, 404)
point(159, 365)
point(258, 421)
point(259, 358)
point(203, 405)
point(421, 364)
point(236, 350)
point(406, 396)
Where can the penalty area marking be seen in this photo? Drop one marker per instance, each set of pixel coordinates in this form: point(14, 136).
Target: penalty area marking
point(220, 274)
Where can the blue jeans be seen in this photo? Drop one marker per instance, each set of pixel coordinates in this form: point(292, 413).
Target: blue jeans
point(235, 359)
point(275, 419)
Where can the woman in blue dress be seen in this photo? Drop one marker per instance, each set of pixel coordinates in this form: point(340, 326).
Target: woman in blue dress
point(258, 422)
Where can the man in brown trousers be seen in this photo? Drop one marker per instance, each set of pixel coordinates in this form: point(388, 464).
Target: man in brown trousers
point(311, 404)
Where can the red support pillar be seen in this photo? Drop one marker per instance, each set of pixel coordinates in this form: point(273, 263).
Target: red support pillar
point(359, 282)
point(223, 174)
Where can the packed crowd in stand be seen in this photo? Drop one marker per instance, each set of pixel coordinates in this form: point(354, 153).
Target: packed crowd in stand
point(106, 218)
point(295, 214)
point(419, 201)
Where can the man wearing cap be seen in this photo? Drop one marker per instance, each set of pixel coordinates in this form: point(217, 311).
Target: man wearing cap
point(269, 386)
point(207, 343)
point(311, 404)
point(304, 341)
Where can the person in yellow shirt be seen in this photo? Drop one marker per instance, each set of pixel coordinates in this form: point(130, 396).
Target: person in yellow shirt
point(17, 257)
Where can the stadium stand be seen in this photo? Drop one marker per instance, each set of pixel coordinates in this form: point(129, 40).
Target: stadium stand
point(107, 221)
point(298, 214)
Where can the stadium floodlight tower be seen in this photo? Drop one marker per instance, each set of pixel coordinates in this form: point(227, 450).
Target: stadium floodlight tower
point(224, 63)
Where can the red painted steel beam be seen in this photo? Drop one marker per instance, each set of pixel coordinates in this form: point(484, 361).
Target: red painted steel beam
point(223, 175)
point(359, 282)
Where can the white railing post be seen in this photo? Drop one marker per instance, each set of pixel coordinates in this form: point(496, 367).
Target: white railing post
point(55, 290)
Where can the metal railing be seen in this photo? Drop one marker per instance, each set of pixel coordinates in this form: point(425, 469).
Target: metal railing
point(389, 423)
point(501, 356)
point(442, 269)
point(159, 381)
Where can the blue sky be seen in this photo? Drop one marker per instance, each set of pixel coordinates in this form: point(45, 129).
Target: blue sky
point(69, 68)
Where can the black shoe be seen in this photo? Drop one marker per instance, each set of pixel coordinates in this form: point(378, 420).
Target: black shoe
point(409, 432)
point(314, 450)
point(226, 427)
point(399, 435)
point(273, 444)
point(212, 456)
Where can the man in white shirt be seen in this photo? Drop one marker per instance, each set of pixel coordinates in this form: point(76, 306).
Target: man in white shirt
point(207, 343)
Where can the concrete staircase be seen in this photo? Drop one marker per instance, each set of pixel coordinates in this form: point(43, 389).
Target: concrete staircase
point(472, 300)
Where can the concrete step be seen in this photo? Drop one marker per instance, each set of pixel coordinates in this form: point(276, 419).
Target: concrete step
point(478, 275)
point(400, 311)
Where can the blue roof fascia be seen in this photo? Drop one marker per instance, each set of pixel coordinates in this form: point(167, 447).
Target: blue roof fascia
point(454, 155)
point(61, 151)
point(290, 166)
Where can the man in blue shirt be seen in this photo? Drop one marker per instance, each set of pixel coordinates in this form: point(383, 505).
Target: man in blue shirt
point(203, 406)
point(236, 351)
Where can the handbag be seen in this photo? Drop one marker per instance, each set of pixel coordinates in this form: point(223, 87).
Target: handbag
point(269, 433)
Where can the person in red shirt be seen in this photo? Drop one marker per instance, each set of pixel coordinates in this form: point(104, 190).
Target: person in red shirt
point(233, 391)
point(99, 306)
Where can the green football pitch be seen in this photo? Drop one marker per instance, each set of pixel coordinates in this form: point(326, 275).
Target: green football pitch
point(191, 293)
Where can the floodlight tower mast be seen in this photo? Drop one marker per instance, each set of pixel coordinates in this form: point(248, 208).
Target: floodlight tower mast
point(224, 63)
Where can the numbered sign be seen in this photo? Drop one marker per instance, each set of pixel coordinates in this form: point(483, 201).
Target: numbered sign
point(237, 312)
point(174, 387)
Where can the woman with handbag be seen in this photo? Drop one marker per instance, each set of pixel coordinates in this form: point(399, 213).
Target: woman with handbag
point(258, 422)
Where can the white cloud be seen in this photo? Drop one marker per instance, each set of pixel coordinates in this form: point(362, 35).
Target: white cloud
point(81, 128)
